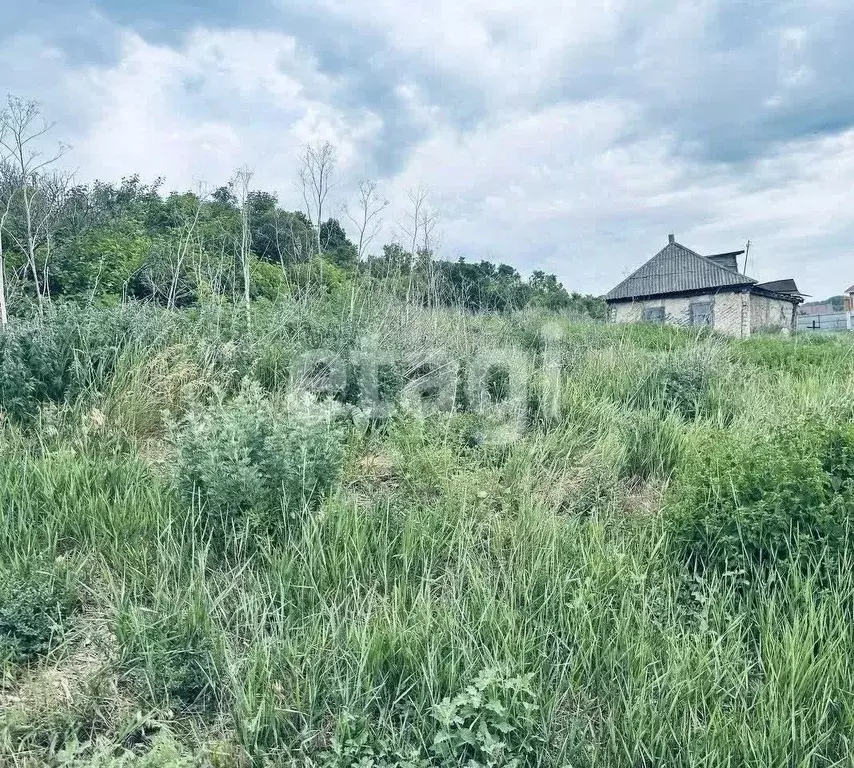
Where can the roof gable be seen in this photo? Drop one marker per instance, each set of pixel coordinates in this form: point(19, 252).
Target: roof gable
point(675, 269)
point(788, 287)
point(728, 260)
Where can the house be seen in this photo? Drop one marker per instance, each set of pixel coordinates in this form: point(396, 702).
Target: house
point(680, 287)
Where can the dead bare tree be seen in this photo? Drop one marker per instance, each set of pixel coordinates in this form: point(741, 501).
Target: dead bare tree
point(241, 181)
point(316, 179)
point(366, 216)
point(41, 193)
point(418, 228)
point(187, 225)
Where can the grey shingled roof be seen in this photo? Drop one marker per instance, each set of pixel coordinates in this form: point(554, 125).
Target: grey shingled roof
point(674, 269)
point(781, 286)
point(728, 260)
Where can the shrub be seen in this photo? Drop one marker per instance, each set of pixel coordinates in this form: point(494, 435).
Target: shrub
point(58, 359)
point(491, 723)
point(764, 498)
point(31, 369)
point(35, 599)
point(164, 752)
point(251, 461)
point(356, 743)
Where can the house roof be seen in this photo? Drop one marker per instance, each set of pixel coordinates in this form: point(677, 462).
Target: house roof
point(850, 290)
point(781, 286)
point(728, 260)
point(675, 269)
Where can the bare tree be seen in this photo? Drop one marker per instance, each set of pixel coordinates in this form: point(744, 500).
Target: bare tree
point(418, 227)
point(186, 224)
point(366, 217)
point(317, 178)
point(241, 181)
point(41, 193)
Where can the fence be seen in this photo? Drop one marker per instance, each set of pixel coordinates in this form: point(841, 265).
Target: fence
point(835, 321)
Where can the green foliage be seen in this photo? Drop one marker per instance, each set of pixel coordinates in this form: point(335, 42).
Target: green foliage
point(101, 261)
point(317, 274)
point(71, 352)
point(678, 382)
point(36, 598)
point(336, 246)
point(356, 745)
point(801, 356)
point(169, 652)
point(253, 462)
point(443, 548)
point(267, 280)
point(164, 752)
point(764, 498)
point(491, 723)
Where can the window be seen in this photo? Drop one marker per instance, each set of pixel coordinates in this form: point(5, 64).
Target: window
point(701, 313)
point(653, 314)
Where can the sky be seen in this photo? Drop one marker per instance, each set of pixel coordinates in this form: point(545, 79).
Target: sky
point(570, 136)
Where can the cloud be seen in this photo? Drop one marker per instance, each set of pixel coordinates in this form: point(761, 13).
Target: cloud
point(566, 136)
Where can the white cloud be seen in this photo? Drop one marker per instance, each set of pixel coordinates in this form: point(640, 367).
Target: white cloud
point(557, 163)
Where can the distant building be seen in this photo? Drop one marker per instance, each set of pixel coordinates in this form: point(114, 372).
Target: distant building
point(680, 287)
point(818, 308)
point(831, 315)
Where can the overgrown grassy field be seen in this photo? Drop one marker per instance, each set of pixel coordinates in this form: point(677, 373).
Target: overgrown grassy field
point(449, 539)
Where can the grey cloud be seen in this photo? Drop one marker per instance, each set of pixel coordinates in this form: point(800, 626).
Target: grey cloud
point(720, 89)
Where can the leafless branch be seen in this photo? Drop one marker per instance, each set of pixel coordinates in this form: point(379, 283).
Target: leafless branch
point(241, 180)
point(316, 179)
point(366, 217)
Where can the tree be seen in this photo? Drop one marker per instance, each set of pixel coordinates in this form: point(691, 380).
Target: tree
point(280, 237)
point(336, 245)
point(316, 178)
point(366, 215)
point(39, 192)
point(418, 227)
point(187, 209)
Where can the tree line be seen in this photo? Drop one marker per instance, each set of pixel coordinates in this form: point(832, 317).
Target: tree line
point(108, 242)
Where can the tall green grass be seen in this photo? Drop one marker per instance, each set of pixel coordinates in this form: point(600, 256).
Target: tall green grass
point(455, 594)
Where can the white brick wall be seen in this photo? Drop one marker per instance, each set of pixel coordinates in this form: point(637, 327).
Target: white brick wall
point(771, 314)
point(734, 313)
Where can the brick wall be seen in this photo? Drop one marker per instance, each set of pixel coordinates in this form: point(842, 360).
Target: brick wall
point(771, 314)
point(730, 311)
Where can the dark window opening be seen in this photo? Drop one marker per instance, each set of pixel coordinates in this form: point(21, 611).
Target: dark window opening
point(701, 313)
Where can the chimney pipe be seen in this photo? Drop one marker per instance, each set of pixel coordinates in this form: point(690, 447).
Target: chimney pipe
point(671, 238)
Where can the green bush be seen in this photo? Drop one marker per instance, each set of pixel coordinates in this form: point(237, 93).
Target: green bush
point(356, 743)
point(491, 723)
point(754, 499)
point(164, 752)
point(35, 600)
point(254, 462)
point(56, 360)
